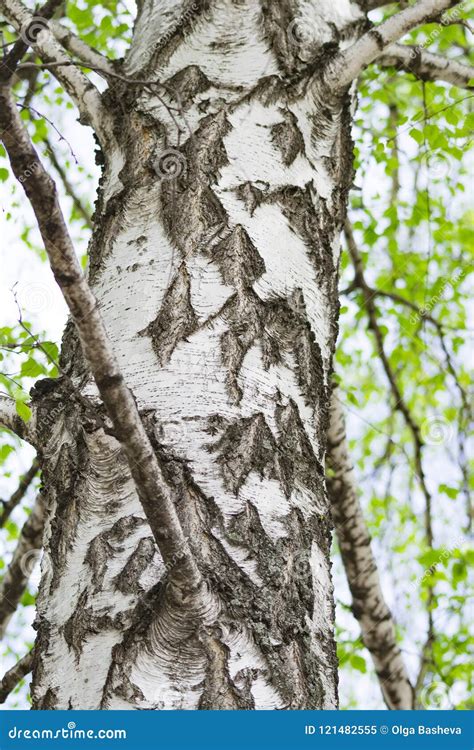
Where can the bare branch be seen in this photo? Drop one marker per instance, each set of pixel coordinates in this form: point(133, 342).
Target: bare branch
point(347, 65)
point(87, 55)
point(427, 65)
point(68, 188)
point(22, 564)
point(14, 675)
point(153, 491)
point(37, 33)
point(368, 603)
point(20, 492)
point(399, 402)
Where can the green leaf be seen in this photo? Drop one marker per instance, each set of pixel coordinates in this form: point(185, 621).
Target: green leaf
point(451, 492)
point(31, 368)
point(23, 410)
point(358, 662)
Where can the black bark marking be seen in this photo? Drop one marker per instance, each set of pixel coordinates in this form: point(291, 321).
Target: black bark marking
point(250, 195)
point(278, 17)
point(288, 138)
point(280, 325)
point(108, 543)
point(84, 621)
point(238, 259)
point(128, 580)
point(176, 319)
point(379, 40)
point(219, 691)
point(297, 461)
point(246, 445)
point(188, 82)
point(192, 213)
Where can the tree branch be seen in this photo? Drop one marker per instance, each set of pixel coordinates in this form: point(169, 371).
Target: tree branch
point(427, 65)
point(368, 603)
point(75, 82)
point(10, 61)
point(347, 65)
point(14, 675)
point(155, 495)
point(12, 421)
point(20, 492)
point(87, 55)
point(22, 564)
point(68, 188)
point(400, 403)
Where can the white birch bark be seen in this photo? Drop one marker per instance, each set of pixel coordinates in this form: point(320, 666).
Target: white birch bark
point(214, 262)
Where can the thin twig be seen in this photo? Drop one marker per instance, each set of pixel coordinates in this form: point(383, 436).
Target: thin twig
point(20, 492)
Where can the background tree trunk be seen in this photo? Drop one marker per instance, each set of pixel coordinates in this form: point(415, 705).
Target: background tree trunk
point(214, 260)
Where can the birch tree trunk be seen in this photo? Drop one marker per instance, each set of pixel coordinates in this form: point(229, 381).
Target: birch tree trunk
point(214, 261)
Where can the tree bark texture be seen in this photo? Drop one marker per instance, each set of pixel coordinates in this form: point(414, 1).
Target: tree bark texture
point(214, 260)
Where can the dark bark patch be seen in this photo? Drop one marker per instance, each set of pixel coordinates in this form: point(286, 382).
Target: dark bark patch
point(281, 325)
point(219, 691)
point(192, 215)
point(238, 259)
point(84, 621)
point(187, 83)
point(298, 464)
point(108, 543)
point(128, 580)
point(250, 195)
point(287, 137)
point(176, 319)
point(246, 445)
